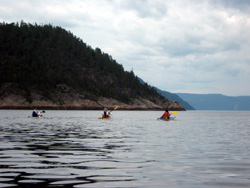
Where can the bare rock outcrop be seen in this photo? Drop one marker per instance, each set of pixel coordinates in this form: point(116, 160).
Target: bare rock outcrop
point(13, 97)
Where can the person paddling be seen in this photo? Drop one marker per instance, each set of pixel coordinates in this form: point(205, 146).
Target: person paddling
point(166, 114)
point(105, 113)
point(35, 113)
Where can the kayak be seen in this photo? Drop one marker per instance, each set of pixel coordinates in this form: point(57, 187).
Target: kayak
point(39, 116)
point(104, 118)
point(163, 119)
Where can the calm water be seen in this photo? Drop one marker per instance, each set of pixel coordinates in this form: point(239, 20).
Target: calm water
point(76, 149)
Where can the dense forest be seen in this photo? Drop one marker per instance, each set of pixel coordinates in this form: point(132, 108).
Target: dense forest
point(41, 57)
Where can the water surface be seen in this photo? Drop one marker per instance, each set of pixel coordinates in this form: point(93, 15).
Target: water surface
point(76, 149)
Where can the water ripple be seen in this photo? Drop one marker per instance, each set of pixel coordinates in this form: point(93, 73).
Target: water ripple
point(75, 149)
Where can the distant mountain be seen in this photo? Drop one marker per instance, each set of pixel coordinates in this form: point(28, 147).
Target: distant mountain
point(47, 66)
point(176, 98)
point(216, 101)
point(171, 97)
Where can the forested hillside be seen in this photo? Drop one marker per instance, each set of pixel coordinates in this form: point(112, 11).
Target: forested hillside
point(49, 61)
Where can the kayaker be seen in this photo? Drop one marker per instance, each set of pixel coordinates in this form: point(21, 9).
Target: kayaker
point(166, 114)
point(35, 113)
point(105, 113)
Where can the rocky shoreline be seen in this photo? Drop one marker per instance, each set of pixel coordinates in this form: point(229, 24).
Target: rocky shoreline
point(83, 108)
point(16, 98)
point(18, 102)
point(93, 106)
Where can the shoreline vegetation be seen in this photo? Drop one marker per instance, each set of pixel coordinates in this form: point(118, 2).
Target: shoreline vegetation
point(48, 67)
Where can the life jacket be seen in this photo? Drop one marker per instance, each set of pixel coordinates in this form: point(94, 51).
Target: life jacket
point(34, 114)
point(165, 115)
point(105, 115)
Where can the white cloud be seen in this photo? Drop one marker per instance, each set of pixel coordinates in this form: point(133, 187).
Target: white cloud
point(178, 46)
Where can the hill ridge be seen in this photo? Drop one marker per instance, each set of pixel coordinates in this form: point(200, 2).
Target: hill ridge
point(216, 101)
point(49, 66)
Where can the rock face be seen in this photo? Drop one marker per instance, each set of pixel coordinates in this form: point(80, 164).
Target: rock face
point(12, 97)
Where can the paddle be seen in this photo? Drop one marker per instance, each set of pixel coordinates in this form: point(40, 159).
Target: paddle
point(114, 109)
point(175, 112)
point(41, 114)
point(109, 112)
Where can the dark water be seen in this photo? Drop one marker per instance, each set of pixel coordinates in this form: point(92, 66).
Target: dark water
point(75, 149)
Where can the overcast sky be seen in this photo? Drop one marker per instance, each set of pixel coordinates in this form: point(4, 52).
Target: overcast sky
point(188, 46)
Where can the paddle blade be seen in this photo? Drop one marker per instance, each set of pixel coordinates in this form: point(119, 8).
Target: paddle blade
point(175, 112)
point(116, 107)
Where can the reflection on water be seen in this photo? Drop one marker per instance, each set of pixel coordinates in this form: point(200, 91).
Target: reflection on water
point(75, 149)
